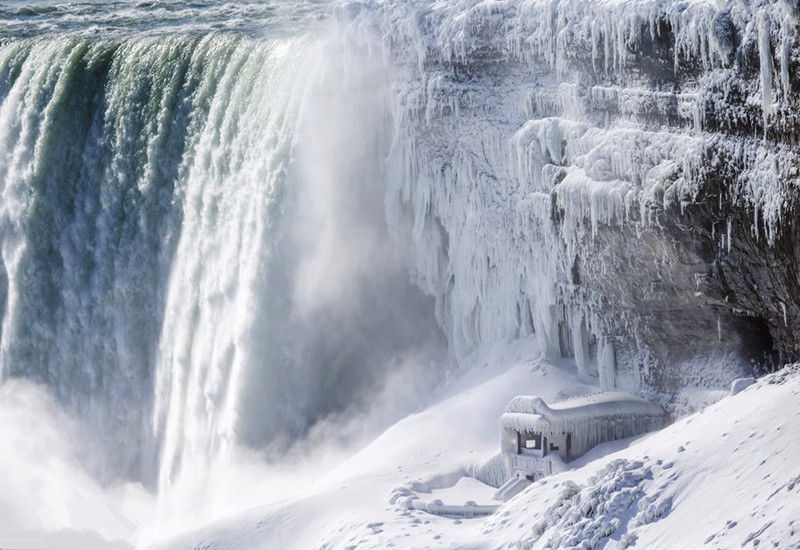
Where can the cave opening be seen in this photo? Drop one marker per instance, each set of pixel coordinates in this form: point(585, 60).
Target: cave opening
point(756, 343)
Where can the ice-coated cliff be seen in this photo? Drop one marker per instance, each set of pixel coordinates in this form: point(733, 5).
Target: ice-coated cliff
point(616, 177)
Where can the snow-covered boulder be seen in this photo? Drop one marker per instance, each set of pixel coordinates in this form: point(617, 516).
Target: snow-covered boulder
point(741, 384)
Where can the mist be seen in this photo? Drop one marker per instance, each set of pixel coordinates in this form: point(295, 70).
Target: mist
point(285, 329)
point(47, 496)
point(346, 314)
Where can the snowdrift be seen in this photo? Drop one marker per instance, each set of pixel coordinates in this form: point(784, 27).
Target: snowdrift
point(726, 476)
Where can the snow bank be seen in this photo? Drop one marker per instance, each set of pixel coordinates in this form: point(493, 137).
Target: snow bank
point(726, 475)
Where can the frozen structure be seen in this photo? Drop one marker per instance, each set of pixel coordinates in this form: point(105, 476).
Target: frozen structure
point(537, 440)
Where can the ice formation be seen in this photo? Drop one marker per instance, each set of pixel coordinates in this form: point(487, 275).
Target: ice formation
point(614, 178)
point(601, 174)
point(568, 429)
point(589, 515)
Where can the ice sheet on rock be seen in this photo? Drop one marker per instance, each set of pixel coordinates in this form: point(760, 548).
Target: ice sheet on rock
point(523, 130)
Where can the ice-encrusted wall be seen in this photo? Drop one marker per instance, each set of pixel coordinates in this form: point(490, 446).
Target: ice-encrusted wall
point(616, 177)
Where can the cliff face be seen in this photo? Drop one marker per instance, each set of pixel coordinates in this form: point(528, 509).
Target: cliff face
point(617, 177)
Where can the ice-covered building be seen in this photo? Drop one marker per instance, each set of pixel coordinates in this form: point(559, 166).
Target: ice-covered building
point(537, 439)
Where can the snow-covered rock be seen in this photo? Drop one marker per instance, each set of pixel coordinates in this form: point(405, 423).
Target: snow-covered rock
point(616, 177)
point(741, 384)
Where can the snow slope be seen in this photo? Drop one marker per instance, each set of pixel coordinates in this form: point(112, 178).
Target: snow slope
point(352, 502)
point(727, 475)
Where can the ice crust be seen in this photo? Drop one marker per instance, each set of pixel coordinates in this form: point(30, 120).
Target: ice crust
point(590, 419)
point(592, 405)
point(523, 130)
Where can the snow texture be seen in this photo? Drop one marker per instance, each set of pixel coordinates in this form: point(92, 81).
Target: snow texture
point(725, 476)
point(681, 487)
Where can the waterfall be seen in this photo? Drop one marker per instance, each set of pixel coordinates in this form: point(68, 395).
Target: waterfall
point(255, 228)
point(91, 139)
point(232, 194)
point(194, 250)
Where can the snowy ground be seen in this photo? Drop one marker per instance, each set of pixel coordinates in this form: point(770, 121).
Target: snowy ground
point(724, 477)
point(727, 476)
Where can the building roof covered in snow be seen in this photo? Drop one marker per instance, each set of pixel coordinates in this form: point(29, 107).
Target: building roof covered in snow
point(531, 413)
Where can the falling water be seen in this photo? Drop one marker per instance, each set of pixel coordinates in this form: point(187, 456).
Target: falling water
point(194, 251)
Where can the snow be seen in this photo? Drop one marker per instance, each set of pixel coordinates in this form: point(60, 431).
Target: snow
point(585, 406)
point(741, 384)
point(726, 474)
point(457, 435)
point(465, 489)
point(681, 487)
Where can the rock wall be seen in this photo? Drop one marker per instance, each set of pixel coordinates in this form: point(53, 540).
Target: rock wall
point(617, 178)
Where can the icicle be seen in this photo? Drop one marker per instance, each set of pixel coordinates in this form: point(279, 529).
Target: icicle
point(786, 45)
point(755, 223)
point(606, 364)
point(595, 44)
point(580, 345)
point(765, 58)
point(729, 235)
